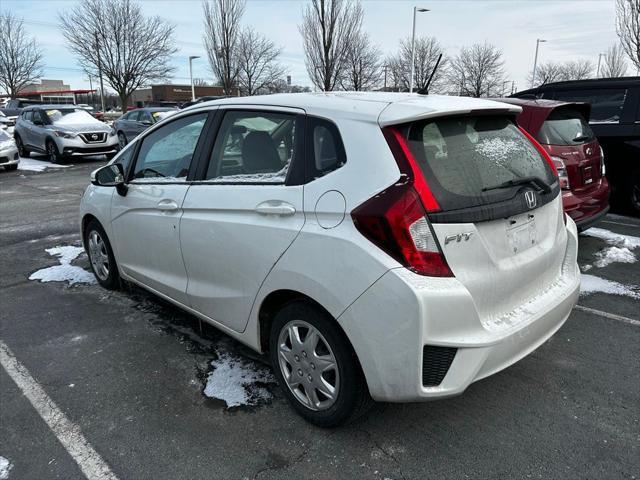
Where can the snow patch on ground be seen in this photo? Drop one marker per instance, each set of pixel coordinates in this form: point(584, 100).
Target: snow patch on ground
point(614, 255)
point(5, 466)
point(238, 381)
point(33, 165)
point(592, 284)
point(65, 272)
point(616, 239)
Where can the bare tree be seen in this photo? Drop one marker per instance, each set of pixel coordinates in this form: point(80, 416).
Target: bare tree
point(328, 29)
point(363, 68)
point(477, 71)
point(547, 72)
point(131, 49)
point(200, 82)
point(556, 72)
point(258, 62)
point(614, 65)
point(20, 56)
point(427, 49)
point(577, 70)
point(221, 39)
point(628, 28)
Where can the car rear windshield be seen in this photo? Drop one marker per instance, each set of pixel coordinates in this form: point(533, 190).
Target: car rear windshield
point(565, 126)
point(462, 158)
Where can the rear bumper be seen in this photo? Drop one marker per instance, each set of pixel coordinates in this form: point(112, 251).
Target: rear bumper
point(587, 206)
point(390, 324)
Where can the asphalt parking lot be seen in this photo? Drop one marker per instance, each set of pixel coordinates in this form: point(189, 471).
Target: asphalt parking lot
point(129, 371)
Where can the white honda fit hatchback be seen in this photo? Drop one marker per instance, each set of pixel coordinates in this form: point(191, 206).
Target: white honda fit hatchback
point(392, 247)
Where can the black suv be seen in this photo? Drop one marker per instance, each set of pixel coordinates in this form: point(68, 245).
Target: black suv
point(615, 119)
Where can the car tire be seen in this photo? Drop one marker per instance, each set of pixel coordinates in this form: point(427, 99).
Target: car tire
point(52, 152)
point(634, 191)
point(101, 258)
point(122, 140)
point(22, 150)
point(11, 168)
point(297, 365)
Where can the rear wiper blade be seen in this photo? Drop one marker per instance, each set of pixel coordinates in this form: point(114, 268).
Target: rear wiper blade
point(537, 181)
point(581, 138)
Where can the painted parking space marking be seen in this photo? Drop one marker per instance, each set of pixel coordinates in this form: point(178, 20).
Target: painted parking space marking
point(611, 316)
point(68, 433)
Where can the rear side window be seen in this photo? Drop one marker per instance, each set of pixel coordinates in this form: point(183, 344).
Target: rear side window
point(462, 158)
point(324, 148)
point(253, 147)
point(606, 104)
point(565, 126)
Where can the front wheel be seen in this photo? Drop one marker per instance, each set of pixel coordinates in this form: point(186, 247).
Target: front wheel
point(316, 367)
point(52, 152)
point(22, 150)
point(101, 258)
point(122, 140)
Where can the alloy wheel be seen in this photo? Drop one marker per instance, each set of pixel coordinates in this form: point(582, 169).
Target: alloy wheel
point(308, 365)
point(98, 255)
point(122, 140)
point(52, 152)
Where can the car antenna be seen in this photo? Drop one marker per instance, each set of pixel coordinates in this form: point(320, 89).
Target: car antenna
point(425, 90)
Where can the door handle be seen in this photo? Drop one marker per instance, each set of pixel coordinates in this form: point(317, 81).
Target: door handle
point(167, 205)
point(275, 207)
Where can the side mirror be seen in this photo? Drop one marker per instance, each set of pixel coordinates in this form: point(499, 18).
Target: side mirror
point(110, 176)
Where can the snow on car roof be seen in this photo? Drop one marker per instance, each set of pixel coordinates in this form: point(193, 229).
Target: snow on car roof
point(386, 107)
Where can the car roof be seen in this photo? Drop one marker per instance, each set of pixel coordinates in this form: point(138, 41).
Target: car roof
point(155, 109)
point(535, 111)
point(42, 106)
point(588, 83)
point(386, 108)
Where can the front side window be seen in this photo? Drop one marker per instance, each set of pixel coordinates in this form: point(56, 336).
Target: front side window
point(166, 154)
point(464, 158)
point(253, 147)
point(565, 126)
point(606, 104)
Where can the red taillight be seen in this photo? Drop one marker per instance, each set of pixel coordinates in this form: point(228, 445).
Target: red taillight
point(409, 167)
point(396, 219)
point(541, 150)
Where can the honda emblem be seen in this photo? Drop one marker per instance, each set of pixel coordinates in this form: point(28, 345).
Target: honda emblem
point(530, 197)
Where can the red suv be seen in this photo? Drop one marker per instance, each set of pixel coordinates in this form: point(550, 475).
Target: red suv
point(562, 128)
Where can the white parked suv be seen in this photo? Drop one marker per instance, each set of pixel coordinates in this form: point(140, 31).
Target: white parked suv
point(393, 247)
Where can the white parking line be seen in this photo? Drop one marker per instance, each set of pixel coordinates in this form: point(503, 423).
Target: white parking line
point(612, 316)
point(68, 433)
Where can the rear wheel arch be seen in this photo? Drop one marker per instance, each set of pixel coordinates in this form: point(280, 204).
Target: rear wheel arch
point(278, 299)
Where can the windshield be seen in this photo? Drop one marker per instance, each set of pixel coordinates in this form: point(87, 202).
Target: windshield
point(461, 157)
point(69, 116)
point(565, 126)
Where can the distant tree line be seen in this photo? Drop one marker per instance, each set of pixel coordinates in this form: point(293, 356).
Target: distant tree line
point(131, 50)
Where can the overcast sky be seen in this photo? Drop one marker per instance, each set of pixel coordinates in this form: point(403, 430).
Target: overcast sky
point(573, 29)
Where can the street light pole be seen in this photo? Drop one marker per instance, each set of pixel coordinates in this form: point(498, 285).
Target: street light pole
point(535, 61)
point(600, 55)
point(413, 46)
point(193, 89)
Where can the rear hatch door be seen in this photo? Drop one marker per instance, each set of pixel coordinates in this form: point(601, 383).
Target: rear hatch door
point(502, 235)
